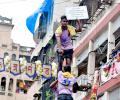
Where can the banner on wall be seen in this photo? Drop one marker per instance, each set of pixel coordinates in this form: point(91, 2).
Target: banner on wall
point(110, 70)
point(15, 68)
point(30, 70)
point(2, 68)
point(47, 71)
point(74, 13)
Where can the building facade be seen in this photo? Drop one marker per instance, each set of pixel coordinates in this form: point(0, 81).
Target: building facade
point(11, 85)
point(99, 39)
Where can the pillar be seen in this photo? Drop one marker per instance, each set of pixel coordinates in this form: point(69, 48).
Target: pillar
point(7, 85)
point(111, 41)
point(74, 68)
point(14, 85)
point(91, 62)
point(106, 96)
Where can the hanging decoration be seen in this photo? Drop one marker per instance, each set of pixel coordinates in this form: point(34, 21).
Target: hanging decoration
point(2, 68)
point(94, 92)
point(15, 68)
point(38, 67)
point(118, 56)
point(23, 64)
point(47, 71)
point(7, 62)
point(30, 70)
point(95, 85)
point(111, 69)
point(54, 69)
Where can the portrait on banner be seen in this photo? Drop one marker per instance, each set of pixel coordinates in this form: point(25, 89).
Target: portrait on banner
point(15, 68)
point(30, 70)
point(47, 71)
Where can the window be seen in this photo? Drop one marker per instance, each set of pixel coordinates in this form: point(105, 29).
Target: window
point(10, 88)
point(4, 45)
point(13, 56)
point(42, 29)
point(3, 83)
point(5, 54)
point(14, 47)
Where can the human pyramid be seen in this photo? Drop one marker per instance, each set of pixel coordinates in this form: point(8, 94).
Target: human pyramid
point(66, 83)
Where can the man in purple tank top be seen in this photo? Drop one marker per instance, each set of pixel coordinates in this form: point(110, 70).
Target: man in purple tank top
point(64, 35)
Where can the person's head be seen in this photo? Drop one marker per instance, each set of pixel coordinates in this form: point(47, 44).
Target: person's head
point(64, 20)
point(67, 69)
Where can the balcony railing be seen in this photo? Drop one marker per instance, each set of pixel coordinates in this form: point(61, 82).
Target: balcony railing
point(94, 17)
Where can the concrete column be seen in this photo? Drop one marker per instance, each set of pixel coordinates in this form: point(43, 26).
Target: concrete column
point(74, 68)
point(14, 86)
point(7, 85)
point(106, 96)
point(91, 62)
point(111, 41)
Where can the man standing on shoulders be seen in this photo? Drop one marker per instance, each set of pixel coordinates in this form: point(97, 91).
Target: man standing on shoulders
point(64, 34)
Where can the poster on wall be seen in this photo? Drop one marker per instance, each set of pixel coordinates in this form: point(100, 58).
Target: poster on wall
point(30, 70)
point(47, 71)
point(2, 68)
point(15, 68)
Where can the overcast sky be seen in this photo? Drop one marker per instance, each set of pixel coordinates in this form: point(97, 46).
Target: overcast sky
point(19, 10)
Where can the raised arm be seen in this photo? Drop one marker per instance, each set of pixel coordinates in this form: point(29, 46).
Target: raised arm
point(58, 41)
point(78, 26)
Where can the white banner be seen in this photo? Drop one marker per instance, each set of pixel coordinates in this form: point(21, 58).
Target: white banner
point(47, 71)
point(30, 70)
point(15, 68)
point(74, 13)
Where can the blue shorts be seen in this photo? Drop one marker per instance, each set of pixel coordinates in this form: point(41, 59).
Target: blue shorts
point(65, 97)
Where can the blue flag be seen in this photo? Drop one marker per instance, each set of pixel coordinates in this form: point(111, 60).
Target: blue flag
point(47, 7)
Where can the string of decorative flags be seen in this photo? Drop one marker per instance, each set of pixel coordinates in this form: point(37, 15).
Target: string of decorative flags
point(107, 71)
point(32, 70)
point(110, 69)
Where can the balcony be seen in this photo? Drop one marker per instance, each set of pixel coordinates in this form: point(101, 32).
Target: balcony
point(94, 17)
